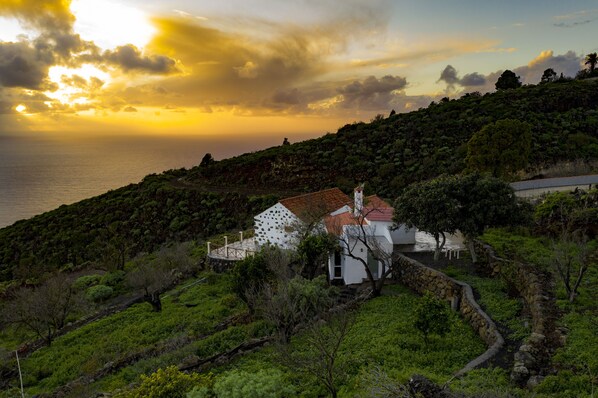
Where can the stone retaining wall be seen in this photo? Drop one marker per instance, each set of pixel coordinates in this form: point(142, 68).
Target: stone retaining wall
point(220, 265)
point(536, 288)
point(460, 295)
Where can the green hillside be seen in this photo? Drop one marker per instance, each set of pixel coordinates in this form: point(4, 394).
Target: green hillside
point(387, 153)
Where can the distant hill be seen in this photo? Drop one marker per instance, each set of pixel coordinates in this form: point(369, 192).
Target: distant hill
point(387, 153)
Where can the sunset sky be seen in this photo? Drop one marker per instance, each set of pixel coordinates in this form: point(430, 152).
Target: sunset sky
point(261, 66)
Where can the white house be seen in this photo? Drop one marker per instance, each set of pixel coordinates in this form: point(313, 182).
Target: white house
point(354, 222)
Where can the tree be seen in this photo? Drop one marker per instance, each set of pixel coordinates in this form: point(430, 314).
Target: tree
point(508, 80)
point(568, 214)
point(285, 141)
point(591, 61)
point(485, 202)
point(355, 238)
point(313, 254)
point(431, 317)
point(265, 383)
point(571, 259)
point(430, 207)
point(207, 160)
point(318, 355)
point(291, 303)
point(548, 76)
point(45, 309)
point(500, 148)
point(469, 204)
point(156, 275)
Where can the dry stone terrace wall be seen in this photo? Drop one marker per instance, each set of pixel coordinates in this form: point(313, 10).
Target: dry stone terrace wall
point(536, 287)
point(421, 279)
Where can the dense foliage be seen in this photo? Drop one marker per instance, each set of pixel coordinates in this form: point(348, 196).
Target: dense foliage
point(388, 153)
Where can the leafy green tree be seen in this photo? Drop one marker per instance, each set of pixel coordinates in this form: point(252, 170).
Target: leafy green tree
point(313, 254)
point(568, 213)
point(548, 76)
point(508, 80)
point(500, 148)
point(468, 204)
point(591, 61)
point(432, 317)
point(485, 202)
point(430, 207)
point(250, 275)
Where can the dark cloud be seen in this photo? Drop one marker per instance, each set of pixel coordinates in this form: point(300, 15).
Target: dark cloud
point(130, 109)
point(573, 24)
point(129, 58)
point(450, 76)
point(372, 93)
point(20, 66)
point(472, 79)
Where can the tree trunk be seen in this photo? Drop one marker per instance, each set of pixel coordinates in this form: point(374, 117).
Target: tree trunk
point(154, 300)
point(470, 245)
point(439, 246)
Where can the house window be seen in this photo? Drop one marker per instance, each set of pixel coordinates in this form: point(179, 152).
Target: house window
point(338, 264)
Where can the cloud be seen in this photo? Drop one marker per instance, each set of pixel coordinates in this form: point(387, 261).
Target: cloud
point(575, 19)
point(372, 93)
point(247, 71)
point(130, 109)
point(129, 57)
point(449, 75)
point(472, 79)
point(21, 66)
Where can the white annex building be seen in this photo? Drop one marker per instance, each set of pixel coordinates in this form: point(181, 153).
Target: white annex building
point(352, 221)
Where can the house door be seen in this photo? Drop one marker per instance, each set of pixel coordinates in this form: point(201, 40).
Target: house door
point(338, 265)
point(373, 265)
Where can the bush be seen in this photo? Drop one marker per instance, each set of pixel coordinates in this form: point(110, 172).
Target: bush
point(431, 317)
point(86, 281)
point(112, 278)
point(262, 384)
point(98, 293)
point(167, 383)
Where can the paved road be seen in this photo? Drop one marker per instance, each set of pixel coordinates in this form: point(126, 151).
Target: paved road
point(538, 187)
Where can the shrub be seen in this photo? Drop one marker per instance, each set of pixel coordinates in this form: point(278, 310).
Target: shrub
point(98, 293)
point(262, 384)
point(431, 317)
point(86, 281)
point(167, 383)
point(112, 278)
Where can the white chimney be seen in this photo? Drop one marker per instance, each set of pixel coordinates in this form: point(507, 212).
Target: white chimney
point(358, 195)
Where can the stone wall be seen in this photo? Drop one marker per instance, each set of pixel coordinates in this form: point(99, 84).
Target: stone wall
point(220, 265)
point(460, 295)
point(536, 288)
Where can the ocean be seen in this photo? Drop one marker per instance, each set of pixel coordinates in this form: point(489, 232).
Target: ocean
point(39, 173)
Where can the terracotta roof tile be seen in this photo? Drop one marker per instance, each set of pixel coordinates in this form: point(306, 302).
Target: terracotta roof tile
point(313, 206)
point(334, 224)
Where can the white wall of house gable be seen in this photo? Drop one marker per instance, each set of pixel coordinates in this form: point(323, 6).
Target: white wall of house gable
point(403, 235)
point(276, 225)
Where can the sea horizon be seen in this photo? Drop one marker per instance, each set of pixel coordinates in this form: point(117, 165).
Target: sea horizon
point(39, 173)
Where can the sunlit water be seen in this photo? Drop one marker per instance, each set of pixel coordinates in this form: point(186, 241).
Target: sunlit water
point(38, 173)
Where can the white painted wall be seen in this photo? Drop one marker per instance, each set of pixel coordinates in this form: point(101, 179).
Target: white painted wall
point(403, 235)
point(276, 225)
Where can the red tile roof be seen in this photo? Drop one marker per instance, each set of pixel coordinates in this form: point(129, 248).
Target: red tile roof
point(374, 201)
point(334, 224)
point(378, 213)
point(314, 206)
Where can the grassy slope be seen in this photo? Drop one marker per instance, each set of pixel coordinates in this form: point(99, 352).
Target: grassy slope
point(383, 336)
point(577, 361)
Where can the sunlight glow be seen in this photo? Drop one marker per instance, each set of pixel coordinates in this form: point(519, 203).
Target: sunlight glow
point(110, 24)
point(75, 92)
point(21, 108)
